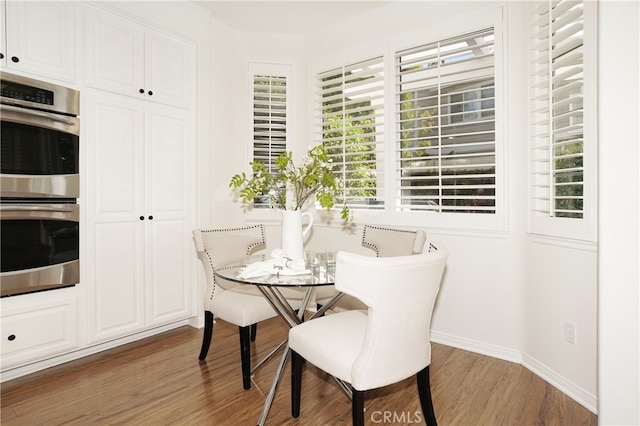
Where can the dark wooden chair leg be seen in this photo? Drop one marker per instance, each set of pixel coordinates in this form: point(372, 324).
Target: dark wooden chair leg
point(245, 356)
point(357, 407)
point(208, 332)
point(254, 331)
point(424, 390)
point(296, 383)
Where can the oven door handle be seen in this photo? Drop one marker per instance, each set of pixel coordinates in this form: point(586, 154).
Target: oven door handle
point(41, 211)
point(30, 117)
point(62, 208)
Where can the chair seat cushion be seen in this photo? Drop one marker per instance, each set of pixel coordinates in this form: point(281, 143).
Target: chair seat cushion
point(245, 304)
point(332, 342)
point(240, 309)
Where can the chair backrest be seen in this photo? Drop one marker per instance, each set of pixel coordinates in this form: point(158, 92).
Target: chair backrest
point(215, 246)
point(400, 293)
point(387, 242)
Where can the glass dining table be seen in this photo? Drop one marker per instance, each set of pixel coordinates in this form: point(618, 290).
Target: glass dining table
point(270, 286)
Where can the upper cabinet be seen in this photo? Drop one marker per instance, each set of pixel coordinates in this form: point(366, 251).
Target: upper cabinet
point(39, 38)
point(123, 57)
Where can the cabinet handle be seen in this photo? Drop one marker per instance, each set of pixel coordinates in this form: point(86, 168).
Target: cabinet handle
point(1, 55)
point(15, 59)
point(12, 337)
point(150, 217)
point(141, 217)
point(150, 93)
point(142, 91)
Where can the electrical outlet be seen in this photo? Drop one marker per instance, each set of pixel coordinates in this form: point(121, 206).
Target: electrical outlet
point(570, 332)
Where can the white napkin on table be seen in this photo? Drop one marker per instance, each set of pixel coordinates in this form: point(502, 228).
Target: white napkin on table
point(279, 263)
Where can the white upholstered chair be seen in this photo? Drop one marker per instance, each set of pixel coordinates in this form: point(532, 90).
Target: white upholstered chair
point(388, 343)
point(242, 305)
point(386, 241)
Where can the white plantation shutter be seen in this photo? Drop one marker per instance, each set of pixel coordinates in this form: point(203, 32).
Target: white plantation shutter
point(269, 108)
point(352, 125)
point(445, 134)
point(556, 110)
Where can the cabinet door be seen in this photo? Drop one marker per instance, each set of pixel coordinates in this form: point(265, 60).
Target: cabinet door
point(114, 53)
point(38, 325)
point(168, 69)
point(169, 263)
point(125, 57)
point(40, 38)
point(138, 220)
point(115, 214)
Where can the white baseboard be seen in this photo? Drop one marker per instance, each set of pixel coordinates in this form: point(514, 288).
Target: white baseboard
point(196, 322)
point(575, 392)
point(582, 397)
point(34, 367)
point(478, 347)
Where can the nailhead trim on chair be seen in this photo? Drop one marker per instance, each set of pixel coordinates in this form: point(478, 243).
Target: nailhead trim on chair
point(373, 246)
point(242, 228)
point(213, 290)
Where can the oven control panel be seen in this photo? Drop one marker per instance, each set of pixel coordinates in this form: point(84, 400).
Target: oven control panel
point(23, 92)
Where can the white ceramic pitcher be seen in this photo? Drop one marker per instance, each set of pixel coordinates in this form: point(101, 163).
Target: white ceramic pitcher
point(292, 233)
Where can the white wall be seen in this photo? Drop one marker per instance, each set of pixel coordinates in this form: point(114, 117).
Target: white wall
point(233, 50)
point(505, 294)
point(619, 232)
point(561, 285)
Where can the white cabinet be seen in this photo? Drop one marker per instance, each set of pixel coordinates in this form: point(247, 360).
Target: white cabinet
point(36, 326)
point(126, 58)
point(139, 258)
point(40, 38)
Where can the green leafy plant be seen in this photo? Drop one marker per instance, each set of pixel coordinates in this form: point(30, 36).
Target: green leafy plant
point(314, 177)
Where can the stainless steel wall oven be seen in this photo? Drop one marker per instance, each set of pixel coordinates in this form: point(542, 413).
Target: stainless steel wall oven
point(39, 185)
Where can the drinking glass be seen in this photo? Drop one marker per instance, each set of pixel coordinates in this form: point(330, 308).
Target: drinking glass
point(322, 260)
point(331, 260)
point(311, 261)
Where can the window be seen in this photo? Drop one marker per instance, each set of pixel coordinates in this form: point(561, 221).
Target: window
point(352, 111)
point(269, 112)
point(414, 124)
point(561, 138)
point(443, 153)
point(446, 125)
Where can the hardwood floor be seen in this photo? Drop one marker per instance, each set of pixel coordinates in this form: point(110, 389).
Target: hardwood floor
point(159, 381)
